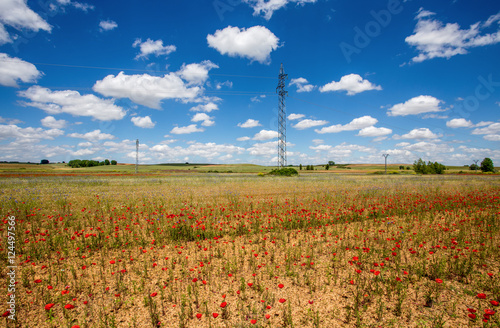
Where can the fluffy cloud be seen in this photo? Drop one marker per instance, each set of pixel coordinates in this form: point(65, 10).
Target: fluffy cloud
point(250, 123)
point(352, 83)
point(433, 39)
point(208, 107)
point(51, 122)
point(429, 148)
point(196, 73)
point(143, 122)
point(72, 102)
point(205, 150)
point(292, 117)
point(307, 123)
point(422, 133)
point(356, 124)
point(416, 105)
point(145, 89)
point(107, 25)
point(265, 135)
point(372, 131)
point(459, 123)
point(264, 149)
point(267, 8)
point(207, 120)
point(243, 138)
point(78, 5)
point(150, 47)
point(491, 132)
point(302, 85)
point(93, 136)
point(186, 129)
point(17, 14)
point(255, 43)
point(13, 69)
point(27, 135)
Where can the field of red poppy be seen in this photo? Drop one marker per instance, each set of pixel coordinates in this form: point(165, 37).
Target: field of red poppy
point(250, 251)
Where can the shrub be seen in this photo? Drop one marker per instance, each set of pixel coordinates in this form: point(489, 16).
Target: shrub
point(430, 168)
point(286, 171)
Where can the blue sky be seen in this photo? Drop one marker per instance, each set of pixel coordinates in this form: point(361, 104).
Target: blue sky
point(196, 80)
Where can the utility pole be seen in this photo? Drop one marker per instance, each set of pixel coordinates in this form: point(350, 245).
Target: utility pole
point(280, 90)
point(136, 155)
point(385, 155)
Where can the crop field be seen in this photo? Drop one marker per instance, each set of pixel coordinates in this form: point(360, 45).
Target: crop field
point(241, 250)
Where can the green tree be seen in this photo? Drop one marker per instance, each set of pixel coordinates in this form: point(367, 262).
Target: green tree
point(44, 161)
point(113, 162)
point(106, 162)
point(487, 165)
point(327, 167)
point(332, 163)
point(300, 167)
point(473, 167)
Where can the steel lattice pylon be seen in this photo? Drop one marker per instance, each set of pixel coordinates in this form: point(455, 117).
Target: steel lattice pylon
point(280, 90)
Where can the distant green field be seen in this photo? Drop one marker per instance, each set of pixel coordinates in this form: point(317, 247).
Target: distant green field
point(182, 168)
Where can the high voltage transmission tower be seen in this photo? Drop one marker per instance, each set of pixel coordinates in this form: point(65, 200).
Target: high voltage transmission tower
point(280, 90)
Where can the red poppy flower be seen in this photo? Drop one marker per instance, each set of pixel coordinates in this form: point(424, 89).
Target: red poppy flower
point(253, 321)
point(69, 306)
point(250, 284)
point(282, 300)
point(472, 316)
point(489, 312)
point(471, 310)
point(6, 314)
point(154, 294)
point(112, 262)
point(198, 315)
point(481, 296)
point(223, 304)
point(439, 281)
point(281, 285)
point(38, 281)
point(195, 279)
point(494, 303)
point(215, 315)
point(50, 287)
point(267, 316)
point(311, 302)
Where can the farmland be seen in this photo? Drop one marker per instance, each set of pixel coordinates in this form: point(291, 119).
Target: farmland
point(240, 250)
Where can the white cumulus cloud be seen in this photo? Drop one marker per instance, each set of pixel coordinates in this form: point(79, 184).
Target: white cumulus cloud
point(196, 73)
point(107, 25)
point(208, 107)
point(72, 102)
point(51, 122)
point(95, 135)
point(13, 70)
point(373, 131)
point(150, 47)
point(352, 83)
point(459, 123)
point(145, 89)
point(255, 43)
point(292, 116)
point(266, 8)
point(356, 124)
point(202, 117)
point(17, 14)
point(308, 123)
point(302, 85)
point(416, 105)
point(250, 123)
point(186, 129)
point(143, 122)
point(265, 135)
point(421, 133)
point(434, 39)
